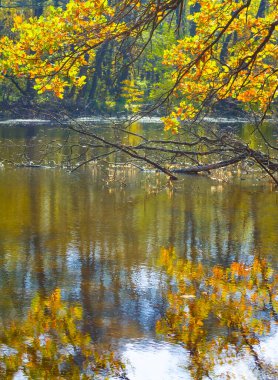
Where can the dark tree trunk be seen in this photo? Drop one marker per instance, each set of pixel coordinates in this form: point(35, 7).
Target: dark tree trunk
point(262, 9)
point(38, 6)
point(192, 26)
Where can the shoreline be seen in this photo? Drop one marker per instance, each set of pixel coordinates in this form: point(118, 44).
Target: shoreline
point(102, 119)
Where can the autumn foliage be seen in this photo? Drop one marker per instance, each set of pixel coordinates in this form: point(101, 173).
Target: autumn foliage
point(238, 302)
point(232, 54)
point(50, 344)
point(52, 49)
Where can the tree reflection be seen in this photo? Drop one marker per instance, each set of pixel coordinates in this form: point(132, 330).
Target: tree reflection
point(49, 344)
point(219, 313)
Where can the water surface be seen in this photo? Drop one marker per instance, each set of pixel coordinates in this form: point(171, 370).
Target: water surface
point(100, 242)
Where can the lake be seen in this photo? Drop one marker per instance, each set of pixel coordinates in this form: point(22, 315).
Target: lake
point(98, 233)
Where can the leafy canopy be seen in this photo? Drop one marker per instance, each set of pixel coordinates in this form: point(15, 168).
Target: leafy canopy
point(52, 49)
point(231, 54)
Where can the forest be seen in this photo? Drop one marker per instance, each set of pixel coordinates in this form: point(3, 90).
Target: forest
point(182, 61)
point(138, 189)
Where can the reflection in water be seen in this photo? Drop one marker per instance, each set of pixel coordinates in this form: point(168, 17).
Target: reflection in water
point(154, 360)
point(49, 345)
point(100, 244)
point(53, 145)
point(69, 231)
point(217, 314)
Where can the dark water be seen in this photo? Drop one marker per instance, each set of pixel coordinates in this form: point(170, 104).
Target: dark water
point(100, 243)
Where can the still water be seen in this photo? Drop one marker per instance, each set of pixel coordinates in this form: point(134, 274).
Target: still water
point(101, 244)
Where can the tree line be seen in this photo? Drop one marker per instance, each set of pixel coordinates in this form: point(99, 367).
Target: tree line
point(181, 59)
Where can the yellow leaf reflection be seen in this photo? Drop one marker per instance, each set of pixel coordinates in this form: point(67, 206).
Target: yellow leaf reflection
point(49, 344)
point(219, 313)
